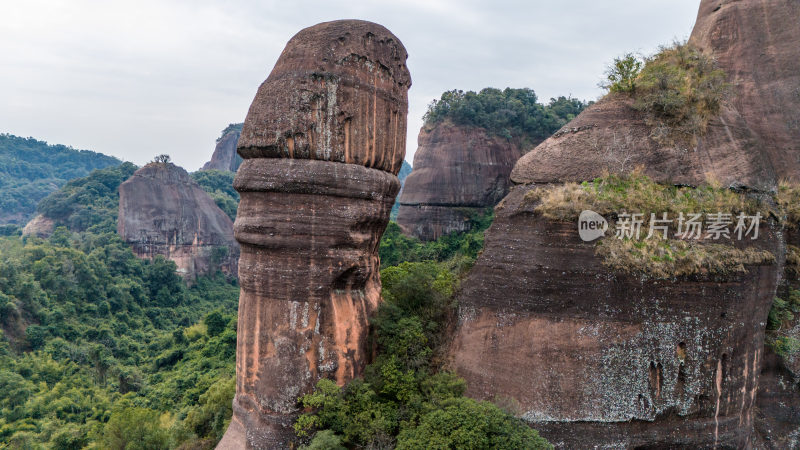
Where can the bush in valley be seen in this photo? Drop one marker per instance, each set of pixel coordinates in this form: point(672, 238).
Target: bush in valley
point(509, 113)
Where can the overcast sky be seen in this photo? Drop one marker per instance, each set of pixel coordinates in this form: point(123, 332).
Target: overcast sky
point(136, 79)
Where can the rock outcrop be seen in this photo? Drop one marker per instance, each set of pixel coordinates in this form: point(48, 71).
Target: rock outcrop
point(593, 357)
point(41, 226)
point(753, 142)
point(596, 357)
point(162, 211)
point(458, 171)
point(225, 156)
point(322, 144)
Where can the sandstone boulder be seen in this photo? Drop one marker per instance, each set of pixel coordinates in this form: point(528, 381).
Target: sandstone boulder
point(162, 211)
point(753, 141)
point(593, 357)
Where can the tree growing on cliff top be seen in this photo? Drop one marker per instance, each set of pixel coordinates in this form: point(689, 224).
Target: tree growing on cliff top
point(510, 113)
point(621, 74)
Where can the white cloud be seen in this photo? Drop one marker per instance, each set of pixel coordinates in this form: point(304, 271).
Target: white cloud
point(135, 79)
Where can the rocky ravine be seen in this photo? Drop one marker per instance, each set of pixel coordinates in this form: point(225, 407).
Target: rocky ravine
point(162, 211)
point(458, 172)
point(595, 357)
point(322, 143)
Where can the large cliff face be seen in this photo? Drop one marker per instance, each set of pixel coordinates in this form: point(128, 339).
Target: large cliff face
point(458, 172)
point(322, 143)
point(225, 156)
point(162, 211)
point(752, 142)
point(593, 356)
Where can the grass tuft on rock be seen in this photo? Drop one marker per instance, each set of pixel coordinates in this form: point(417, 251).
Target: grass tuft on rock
point(637, 193)
point(670, 258)
point(680, 89)
point(788, 198)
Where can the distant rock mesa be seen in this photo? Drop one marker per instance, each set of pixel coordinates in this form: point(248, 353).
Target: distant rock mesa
point(459, 170)
point(322, 144)
point(225, 157)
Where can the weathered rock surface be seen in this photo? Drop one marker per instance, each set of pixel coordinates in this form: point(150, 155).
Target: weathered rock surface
point(162, 211)
point(752, 143)
point(347, 84)
point(40, 226)
point(225, 156)
point(458, 172)
point(593, 357)
point(597, 358)
point(317, 186)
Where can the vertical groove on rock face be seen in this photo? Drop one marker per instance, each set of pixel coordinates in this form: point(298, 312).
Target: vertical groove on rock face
point(322, 143)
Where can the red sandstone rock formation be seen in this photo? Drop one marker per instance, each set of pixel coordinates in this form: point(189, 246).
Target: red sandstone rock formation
point(458, 172)
point(597, 358)
point(322, 143)
point(752, 143)
point(162, 211)
point(225, 156)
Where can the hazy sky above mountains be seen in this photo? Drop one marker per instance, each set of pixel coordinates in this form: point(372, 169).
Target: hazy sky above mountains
point(136, 79)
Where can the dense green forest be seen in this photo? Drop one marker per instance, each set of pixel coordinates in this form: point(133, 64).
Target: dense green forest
point(405, 399)
point(510, 113)
point(32, 169)
point(100, 349)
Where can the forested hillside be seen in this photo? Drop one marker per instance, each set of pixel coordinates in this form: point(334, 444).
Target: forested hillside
point(31, 169)
point(100, 349)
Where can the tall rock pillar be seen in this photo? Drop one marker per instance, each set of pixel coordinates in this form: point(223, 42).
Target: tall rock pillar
point(322, 144)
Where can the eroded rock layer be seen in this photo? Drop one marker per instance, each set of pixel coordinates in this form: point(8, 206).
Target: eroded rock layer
point(458, 172)
point(317, 186)
point(338, 93)
point(162, 211)
point(754, 140)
